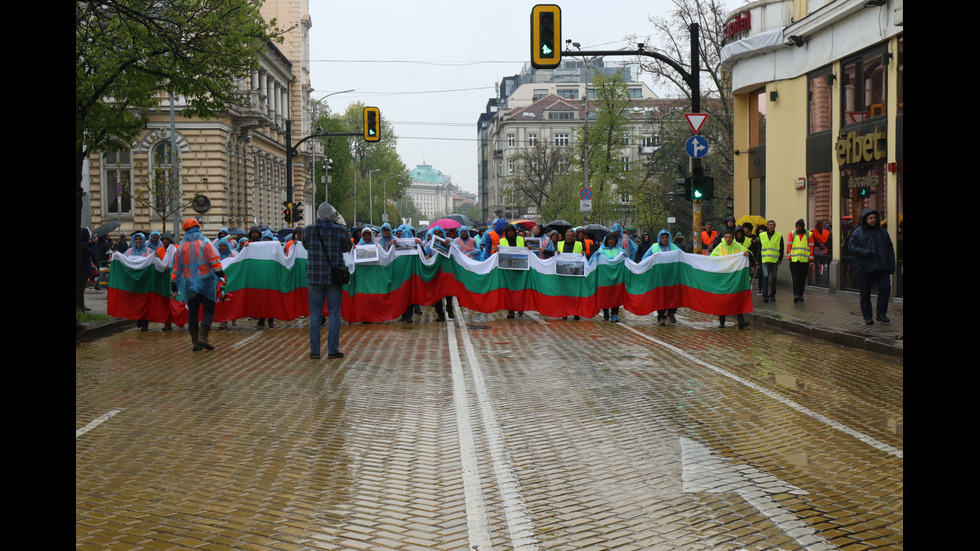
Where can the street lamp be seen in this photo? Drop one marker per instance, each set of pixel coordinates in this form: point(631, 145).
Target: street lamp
point(585, 141)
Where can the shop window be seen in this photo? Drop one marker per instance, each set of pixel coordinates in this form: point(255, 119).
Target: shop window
point(820, 88)
point(819, 196)
point(861, 187)
point(901, 75)
point(863, 86)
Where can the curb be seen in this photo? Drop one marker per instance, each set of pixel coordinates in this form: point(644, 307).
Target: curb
point(877, 344)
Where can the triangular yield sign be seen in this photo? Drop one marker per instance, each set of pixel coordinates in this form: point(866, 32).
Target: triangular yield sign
point(696, 120)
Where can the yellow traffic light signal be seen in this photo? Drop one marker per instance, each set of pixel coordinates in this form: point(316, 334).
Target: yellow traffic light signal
point(545, 36)
point(372, 124)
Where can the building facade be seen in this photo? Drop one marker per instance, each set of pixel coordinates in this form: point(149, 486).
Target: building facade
point(516, 120)
point(228, 171)
point(432, 192)
point(819, 109)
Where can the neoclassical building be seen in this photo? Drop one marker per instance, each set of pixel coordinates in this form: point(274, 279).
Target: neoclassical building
point(230, 170)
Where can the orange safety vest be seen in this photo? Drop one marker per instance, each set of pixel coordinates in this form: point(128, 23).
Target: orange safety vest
point(707, 240)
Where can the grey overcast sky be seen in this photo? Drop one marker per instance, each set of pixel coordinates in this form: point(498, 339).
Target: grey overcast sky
point(431, 65)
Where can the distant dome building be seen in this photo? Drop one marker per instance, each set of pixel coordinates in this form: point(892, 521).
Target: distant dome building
point(431, 191)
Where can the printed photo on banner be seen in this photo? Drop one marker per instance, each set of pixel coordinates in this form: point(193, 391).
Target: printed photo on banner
point(405, 244)
point(441, 245)
point(364, 254)
point(513, 258)
point(568, 264)
point(533, 243)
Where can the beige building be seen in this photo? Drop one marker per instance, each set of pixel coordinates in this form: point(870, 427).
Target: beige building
point(230, 170)
point(552, 114)
point(819, 111)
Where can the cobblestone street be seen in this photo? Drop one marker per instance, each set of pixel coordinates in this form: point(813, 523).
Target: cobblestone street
point(489, 433)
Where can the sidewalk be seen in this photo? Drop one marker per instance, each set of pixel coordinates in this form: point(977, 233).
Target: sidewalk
point(834, 317)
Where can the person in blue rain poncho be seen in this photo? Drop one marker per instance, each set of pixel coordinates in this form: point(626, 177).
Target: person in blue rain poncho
point(624, 240)
point(611, 249)
point(427, 249)
point(386, 238)
point(663, 245)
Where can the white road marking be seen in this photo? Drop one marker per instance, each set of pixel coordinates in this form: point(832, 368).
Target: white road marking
point(881, 446)
point(477, 522)
point(702, 471)
point(515, 512)
point(101, 419)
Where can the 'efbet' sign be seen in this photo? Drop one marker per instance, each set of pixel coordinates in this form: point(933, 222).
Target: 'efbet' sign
point(861, 148)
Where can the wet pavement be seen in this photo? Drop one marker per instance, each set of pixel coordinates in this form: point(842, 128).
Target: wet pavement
point(489, 433)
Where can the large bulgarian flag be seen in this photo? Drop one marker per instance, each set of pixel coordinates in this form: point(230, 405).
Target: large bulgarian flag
point(263, 282)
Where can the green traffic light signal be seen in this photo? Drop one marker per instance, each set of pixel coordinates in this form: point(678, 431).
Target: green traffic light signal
point(545, 36)
point(372, 124)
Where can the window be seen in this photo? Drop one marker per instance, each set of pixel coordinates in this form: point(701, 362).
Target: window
point(626, 163)
point(568, 93)
point(540, 93)
point(510, 167)
point(562, 139)
point(820, 86)
point(561, 115)
point(510, 140)
point(165, 186)
point(757, 118)
point(626, 138)
point(649, 141)
point(118, 174)
point(863, 86)
point(636, 93)
point(532, 139)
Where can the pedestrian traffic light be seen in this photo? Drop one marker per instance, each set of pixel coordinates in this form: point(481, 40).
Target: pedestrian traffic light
point(298, 211)
point(372, 124)
point(287, 212)
point(545, 36)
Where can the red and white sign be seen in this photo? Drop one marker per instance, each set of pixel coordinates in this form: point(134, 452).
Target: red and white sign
point(696, 120)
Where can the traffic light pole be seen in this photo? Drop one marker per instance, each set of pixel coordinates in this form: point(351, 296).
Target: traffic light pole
point(293, 151)
point(692, 79)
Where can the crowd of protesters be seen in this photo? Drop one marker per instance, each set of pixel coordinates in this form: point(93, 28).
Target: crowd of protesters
point(197, 265)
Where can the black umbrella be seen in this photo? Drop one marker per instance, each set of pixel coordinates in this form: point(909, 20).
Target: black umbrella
point(462, 219)
point(237, 231)
point(561, 225)
point(596, 231)
point(104, 229)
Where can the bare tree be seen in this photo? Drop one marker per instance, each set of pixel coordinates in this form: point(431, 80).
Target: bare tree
point(672, 37)
point(536, 170)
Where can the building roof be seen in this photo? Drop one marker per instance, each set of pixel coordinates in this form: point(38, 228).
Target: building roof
point(426, 174)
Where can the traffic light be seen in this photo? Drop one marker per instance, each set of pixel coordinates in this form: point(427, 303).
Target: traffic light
point(545, 36)
point(298, 211)
point(287, 212)
point(702, 187)
point(372, 124)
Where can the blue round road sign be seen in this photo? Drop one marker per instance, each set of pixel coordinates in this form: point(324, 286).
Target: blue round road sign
point(696, 147)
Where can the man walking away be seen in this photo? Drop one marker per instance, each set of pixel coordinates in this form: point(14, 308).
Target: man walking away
point(325, 243)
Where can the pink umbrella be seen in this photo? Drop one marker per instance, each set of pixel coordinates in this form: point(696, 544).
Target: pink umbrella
point(446, 223)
